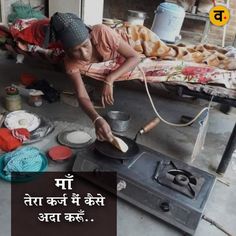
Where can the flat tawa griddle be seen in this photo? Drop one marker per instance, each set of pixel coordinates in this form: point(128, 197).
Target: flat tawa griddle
point(108, 150)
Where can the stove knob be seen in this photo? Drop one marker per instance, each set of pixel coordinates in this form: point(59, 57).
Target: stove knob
point(165, 206)
point(97, 170)
point(121, 185)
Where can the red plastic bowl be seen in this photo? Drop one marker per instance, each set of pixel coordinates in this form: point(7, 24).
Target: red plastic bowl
point(59, 153)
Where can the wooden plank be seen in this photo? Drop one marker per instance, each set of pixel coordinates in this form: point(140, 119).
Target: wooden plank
point(205, 32)
point(192, 33)
point(196, 17)
point(234, 44)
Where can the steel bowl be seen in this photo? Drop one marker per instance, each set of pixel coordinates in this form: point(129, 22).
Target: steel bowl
point(137, 14)
point(118, 120)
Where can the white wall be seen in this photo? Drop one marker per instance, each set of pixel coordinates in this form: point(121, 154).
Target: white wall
point(92, 11)
point(71, 6)
point(5, 9)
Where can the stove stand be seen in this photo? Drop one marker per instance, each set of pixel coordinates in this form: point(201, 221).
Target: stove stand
point(166, 188)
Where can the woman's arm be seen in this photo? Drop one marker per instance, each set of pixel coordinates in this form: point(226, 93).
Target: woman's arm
point(103, 130)
point(132, 60)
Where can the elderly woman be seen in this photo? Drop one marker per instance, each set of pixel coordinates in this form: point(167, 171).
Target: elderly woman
point(84, 46)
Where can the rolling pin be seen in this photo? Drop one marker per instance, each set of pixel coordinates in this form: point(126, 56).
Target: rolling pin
point(149, 126)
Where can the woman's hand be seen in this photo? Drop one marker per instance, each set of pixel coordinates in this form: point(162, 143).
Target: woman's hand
point(103, 130)
point(107, 94)
point(21, 45)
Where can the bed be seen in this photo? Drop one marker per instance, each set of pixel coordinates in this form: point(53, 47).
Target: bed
point(182, 78)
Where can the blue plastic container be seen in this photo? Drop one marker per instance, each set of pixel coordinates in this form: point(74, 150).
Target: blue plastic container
point(168, 21)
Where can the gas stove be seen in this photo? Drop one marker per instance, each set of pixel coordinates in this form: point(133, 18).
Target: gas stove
point(162, 186)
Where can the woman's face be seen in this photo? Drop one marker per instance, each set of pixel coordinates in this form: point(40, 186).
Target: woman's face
point(83, 51)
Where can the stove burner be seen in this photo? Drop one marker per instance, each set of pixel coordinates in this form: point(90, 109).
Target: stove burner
point(166, 188)
point(181, 180)
point(178, 179)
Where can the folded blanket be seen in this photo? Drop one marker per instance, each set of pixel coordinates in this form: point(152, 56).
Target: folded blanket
point(25, 36)
point(148, 43)
point(12, 139)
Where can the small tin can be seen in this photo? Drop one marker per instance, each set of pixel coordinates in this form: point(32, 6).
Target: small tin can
point(12, 99)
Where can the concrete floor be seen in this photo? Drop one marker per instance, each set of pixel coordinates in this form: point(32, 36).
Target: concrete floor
point(175, 142)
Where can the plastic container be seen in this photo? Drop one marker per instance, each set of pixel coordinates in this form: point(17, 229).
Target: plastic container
point(168, 22)
point(60, 153)
point(12, 99)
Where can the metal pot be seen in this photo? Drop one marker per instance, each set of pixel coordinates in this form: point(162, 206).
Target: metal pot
point(118, 120)
point(136, 17)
